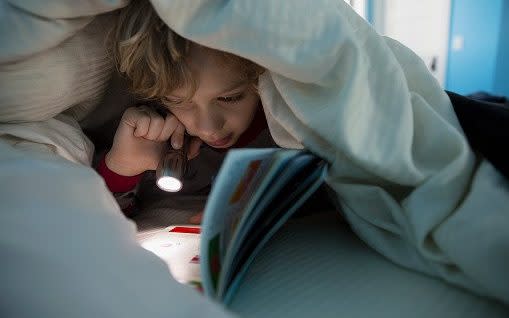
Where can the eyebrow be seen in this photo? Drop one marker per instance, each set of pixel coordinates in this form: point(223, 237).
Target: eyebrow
point(230, 88)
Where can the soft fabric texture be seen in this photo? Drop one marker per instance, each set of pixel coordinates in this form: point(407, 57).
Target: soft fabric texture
point(66, 248)
point(68, 251)
point(401, 167)
point(30, 26)
point(333, 274)
point(400, 164)
point(314, 266)
point(71, 77)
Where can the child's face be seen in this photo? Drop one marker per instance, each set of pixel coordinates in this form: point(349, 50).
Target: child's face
point(223, 105)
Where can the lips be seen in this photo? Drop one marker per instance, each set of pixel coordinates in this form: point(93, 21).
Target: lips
point(221, 143)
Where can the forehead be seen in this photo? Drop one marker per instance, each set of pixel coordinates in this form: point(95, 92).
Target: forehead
point(212, 72)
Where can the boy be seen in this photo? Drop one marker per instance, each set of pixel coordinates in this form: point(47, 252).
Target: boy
point(209, 94)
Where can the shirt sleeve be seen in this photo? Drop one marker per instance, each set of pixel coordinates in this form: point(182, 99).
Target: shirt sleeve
point(122, 187)
point(115, 182)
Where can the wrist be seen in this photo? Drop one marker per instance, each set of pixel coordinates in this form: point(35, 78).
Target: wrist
point(121, 167)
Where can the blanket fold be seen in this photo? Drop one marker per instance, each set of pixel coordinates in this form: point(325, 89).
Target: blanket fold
point(400, 164)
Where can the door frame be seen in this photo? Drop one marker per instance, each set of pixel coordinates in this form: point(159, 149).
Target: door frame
point(379, 21)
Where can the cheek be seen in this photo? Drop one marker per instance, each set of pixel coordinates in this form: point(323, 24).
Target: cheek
point(186, 119)
point(246, 114)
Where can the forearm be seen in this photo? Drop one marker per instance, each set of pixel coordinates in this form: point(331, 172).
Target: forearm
point(122, 187)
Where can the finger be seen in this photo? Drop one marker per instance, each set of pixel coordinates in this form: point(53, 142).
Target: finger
point(194, 147)
point(138, 119)
point(141, 121)
point(131, 116)
point(156, 125)
point(177, 138)
point(170, 124)
point(144, 108)
point(196, 219)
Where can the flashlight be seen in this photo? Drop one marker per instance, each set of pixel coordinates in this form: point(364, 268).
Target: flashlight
point(172, 167)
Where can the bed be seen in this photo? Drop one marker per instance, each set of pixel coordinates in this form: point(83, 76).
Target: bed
point(67, 250)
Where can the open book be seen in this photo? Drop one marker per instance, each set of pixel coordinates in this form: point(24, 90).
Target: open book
point(255, 192)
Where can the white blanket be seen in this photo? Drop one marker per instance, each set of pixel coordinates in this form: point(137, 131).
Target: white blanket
point(68, 251)
point(400, 164)
point(66, 248)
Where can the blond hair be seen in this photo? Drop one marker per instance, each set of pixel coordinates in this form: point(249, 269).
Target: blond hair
point(153, 57)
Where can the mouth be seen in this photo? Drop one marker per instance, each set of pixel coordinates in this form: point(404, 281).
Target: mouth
point(221, 143)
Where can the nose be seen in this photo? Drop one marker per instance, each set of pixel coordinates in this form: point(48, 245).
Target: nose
point(209, 121)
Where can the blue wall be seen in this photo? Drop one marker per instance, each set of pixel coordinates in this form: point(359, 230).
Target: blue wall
point(478, 65)
point(501, 85)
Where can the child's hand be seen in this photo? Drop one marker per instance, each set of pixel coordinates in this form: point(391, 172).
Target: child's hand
point(141, 139)
point(197, 218)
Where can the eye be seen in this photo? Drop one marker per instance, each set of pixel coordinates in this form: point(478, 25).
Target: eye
point(231, 99)
point(170, 102)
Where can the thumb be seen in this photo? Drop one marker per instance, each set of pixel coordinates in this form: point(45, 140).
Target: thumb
point(194, 148)
point(196, 219)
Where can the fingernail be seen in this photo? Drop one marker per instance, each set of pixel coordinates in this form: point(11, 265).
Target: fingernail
point(176, 144)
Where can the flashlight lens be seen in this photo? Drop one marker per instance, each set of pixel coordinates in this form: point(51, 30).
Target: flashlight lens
point(169, 184)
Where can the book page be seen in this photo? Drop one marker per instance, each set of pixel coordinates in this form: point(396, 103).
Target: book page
point(241, 171)
point(179, 247)
point(285, 165)
point(290, 197)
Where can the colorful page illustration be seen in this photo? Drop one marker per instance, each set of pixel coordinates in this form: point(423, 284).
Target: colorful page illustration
point(179, 247)
point(240, 172)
